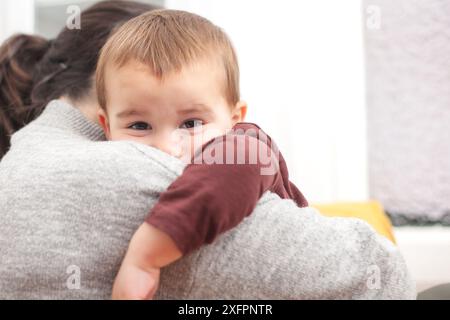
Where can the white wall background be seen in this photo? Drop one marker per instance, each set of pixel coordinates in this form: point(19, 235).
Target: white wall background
point(16, 16)
point(302, 73)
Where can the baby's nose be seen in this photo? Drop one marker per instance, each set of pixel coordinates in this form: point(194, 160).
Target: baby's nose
point(170, 146)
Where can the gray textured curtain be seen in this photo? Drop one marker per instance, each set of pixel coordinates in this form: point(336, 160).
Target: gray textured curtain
point(408, 96)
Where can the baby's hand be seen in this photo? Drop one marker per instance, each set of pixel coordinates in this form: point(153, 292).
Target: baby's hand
point(134, 283)
point(149, 251)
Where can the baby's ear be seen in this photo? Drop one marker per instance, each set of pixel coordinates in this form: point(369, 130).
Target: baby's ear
point(239, 112)
point(103, 120)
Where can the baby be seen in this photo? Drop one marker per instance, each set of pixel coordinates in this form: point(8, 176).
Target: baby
point(170, 79)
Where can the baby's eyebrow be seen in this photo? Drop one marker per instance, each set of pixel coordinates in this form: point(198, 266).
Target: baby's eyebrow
point(194, 108)
point(127, 113)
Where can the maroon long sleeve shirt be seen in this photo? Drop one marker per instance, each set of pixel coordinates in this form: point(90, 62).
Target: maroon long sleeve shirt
point(221, 187)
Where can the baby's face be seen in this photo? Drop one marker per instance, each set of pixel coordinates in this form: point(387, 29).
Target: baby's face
point(145, 109)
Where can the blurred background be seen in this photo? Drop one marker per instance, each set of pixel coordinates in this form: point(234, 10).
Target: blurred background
point(355, 93)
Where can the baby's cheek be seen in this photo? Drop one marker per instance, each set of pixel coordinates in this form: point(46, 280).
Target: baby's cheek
point(118, 135)
point(211, 131)
point(189, 142)
point(114, 135)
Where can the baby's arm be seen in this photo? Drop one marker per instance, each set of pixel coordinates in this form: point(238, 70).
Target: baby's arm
point(149, 250)
point(205, 201)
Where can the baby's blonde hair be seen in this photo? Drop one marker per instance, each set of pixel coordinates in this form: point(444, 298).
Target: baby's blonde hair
point(167, 41)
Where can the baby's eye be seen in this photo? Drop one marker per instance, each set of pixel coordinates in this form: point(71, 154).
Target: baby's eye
point(191, 124)
point(140, 126)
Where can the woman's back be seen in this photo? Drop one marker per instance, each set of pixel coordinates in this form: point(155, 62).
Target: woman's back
point(54, 223)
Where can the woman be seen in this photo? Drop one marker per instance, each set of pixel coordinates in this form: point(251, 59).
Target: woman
point(70, 202)
point(35, 71)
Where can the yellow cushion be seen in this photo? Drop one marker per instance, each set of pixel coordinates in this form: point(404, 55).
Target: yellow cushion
point(372, 212)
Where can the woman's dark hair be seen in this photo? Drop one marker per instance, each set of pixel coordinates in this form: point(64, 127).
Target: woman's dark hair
point(34, 70)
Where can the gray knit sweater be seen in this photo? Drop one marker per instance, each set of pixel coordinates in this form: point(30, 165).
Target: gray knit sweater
point(70, 202)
